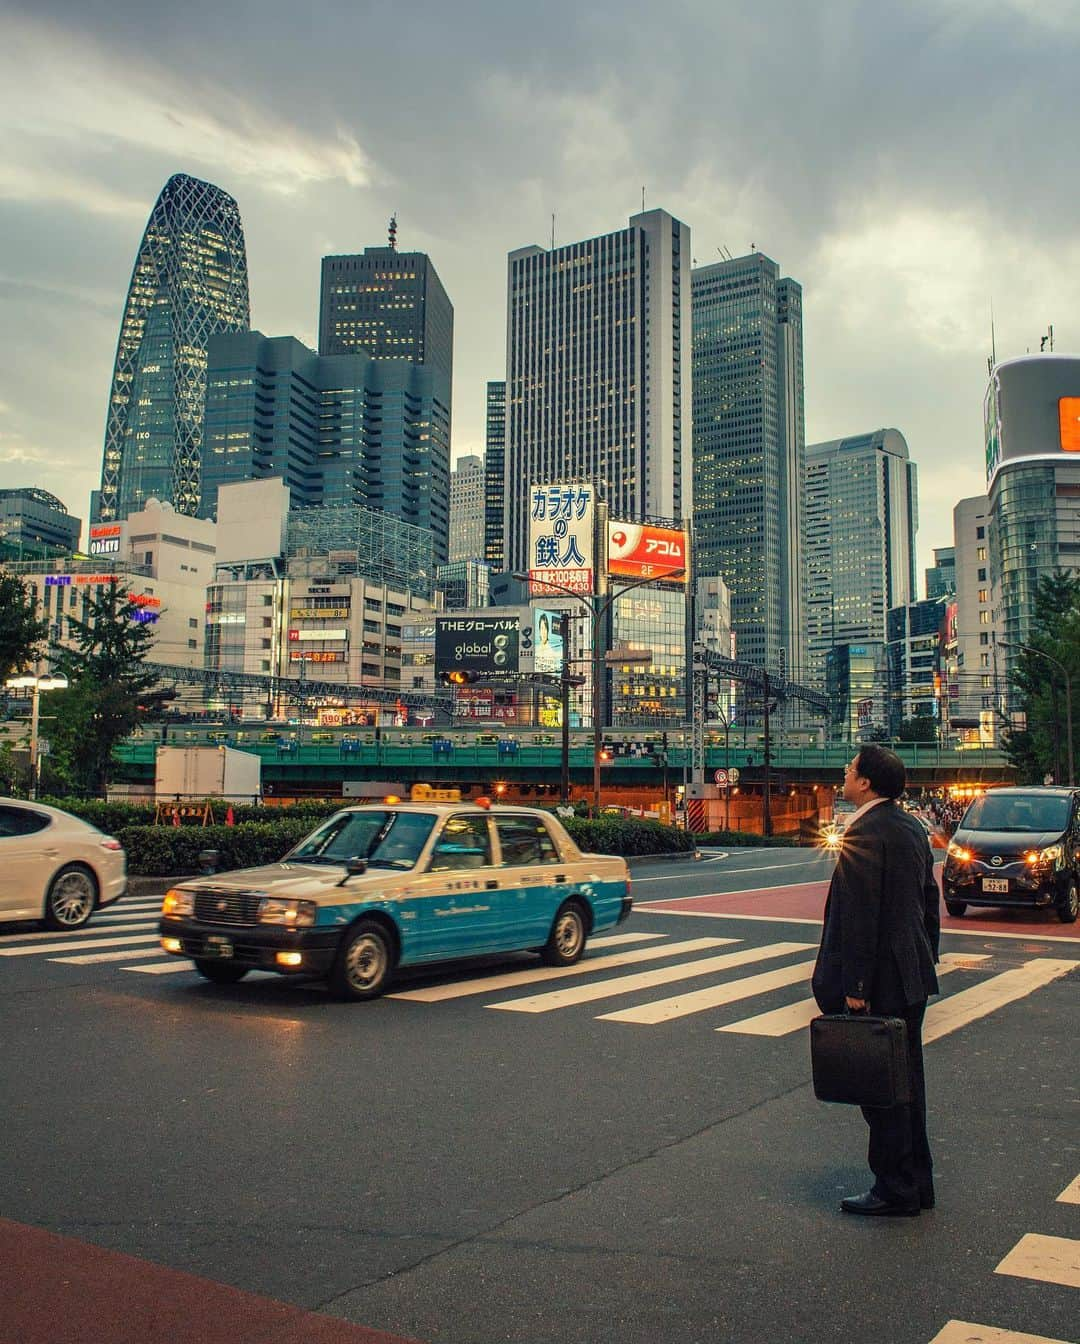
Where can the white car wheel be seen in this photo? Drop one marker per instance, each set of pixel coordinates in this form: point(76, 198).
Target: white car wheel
point(71, 898)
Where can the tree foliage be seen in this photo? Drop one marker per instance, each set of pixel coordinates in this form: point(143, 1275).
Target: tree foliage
point(109, 693)
point(921, 728)
point(1041, 749)
point(21, 632)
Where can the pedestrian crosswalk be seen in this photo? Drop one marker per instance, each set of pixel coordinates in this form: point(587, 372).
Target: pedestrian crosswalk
point(622, 975)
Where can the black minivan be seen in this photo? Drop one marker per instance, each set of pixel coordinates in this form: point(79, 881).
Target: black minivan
point(1018, 847)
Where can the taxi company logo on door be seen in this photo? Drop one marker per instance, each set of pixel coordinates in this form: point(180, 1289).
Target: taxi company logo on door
point(482, 644)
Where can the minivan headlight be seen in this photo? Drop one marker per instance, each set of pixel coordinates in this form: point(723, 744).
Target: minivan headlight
point(294, 914)
point(958, 852)
point(1039, 857)
point(178, 902)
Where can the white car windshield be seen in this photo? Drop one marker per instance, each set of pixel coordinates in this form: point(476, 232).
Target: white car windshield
point(386, 839)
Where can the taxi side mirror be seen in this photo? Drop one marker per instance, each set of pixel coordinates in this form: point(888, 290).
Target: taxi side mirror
point(354, 867)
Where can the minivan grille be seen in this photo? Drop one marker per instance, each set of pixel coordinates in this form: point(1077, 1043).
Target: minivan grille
point(226, 907)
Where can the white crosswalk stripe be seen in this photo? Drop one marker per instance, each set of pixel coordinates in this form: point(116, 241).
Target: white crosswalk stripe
point(960, 1009)
point(967, 1332)
point(92, 958)
point(93, 930)
point(169, 967)
point(42, 949)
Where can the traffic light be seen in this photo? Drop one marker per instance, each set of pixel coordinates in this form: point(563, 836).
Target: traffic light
point(605, 753)
point(459, 677)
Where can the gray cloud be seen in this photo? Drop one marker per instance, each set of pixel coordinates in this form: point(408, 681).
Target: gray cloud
point(906, 164)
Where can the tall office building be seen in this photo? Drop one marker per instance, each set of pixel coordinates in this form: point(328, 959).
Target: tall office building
point(859, 542)
point(975, 668)
point(467, 509)
point(941, 576)
point(749, 452)
point(1032, 419)
point(340, 430)
point(598, 373)
point(190, 282)
point(494, 485)
point(34, 523)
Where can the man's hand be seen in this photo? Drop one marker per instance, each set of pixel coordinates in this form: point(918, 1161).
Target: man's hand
point(857, 1005)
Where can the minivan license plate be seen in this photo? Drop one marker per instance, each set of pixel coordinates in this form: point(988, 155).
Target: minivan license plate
point(999, 885)
point(218, 946)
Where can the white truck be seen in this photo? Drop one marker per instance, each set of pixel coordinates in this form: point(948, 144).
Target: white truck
point(207, 772)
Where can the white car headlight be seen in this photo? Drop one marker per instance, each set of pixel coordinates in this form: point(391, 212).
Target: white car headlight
point(280, 910)
point(177, 901)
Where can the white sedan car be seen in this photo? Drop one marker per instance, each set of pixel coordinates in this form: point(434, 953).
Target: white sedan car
point(54, 867)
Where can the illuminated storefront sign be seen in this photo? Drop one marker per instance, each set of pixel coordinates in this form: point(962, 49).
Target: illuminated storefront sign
point(319, 613)
point(316, 656)
point(640, 551)
point(105, 539)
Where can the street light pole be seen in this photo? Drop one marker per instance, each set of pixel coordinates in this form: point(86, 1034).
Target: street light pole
point(564, 700)
point(1039, 653)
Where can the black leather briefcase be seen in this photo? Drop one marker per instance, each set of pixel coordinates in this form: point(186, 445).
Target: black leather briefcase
point(860, 1059)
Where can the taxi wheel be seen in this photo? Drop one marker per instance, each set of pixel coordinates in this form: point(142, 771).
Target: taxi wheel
point(220, 972)
point(1070, 907)
point(71, 898)
point(364, 962)
point(566, 941)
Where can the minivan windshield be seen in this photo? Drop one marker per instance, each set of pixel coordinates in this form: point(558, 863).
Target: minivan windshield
point(1017, 812)
point(385, 839)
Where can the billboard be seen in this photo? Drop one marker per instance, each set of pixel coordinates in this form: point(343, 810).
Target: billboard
point(641, 551)
point(547, 641)
point(105, 539)
point(561, 524)
point(485, 644)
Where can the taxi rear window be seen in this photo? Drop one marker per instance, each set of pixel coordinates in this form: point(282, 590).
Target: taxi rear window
point(525, 840)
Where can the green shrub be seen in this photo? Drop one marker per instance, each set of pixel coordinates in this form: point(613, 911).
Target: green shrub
point(746, 839)
point(627, 836)
point(164, 851)
point(112, 817)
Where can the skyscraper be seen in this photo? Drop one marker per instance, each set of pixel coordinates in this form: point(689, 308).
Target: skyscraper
point(749, 452)
point(341, 430)
point(494, 467)
point(467, 509)
point(859, 541)
point(598, 373)
point(190, 282)
point(941, 576)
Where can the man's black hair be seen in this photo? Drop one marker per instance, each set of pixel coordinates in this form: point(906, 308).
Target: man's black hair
point(882, 769)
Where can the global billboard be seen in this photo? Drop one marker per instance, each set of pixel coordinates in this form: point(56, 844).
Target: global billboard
point(484, 644)
point(641, 551)
point(561, 523)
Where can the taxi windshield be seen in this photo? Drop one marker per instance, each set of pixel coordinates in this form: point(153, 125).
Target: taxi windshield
point(386, 839)
point(1016, 812)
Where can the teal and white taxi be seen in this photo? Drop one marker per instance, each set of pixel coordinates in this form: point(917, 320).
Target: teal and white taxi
point(394, 884)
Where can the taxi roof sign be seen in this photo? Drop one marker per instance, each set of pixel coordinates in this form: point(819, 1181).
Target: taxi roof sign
point(425, 793)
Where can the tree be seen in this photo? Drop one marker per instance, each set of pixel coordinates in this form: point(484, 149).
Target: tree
point(21, 632)
point(921, 728)
point(1041, 749)
point(109, 693)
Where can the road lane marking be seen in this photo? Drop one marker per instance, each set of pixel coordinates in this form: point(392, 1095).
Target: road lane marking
point(1029, 935)
point(664, 975)
point(970, 1004)
point(127, 954)
point(1048, 1259)
point(712, 858)
point(162, 967)
point(511, 979)
point(966, 1332)
point(645, 909)
point(88, 931)
point(792, 1017)
point(66, 947)
point(1071, 1193)
point(712, 996)
point(614, 939)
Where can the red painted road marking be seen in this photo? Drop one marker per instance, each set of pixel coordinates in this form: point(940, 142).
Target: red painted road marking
point(56, 1290)
point(806, 900)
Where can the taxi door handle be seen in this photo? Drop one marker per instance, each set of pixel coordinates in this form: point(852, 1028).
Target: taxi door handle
point(560, 877)
point(492, 884)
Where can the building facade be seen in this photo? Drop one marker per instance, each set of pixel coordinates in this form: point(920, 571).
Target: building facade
point(975, 668)
point(463, 583)
point(856, 687)
point(915, 636)
point(749, 446)
point(494, 469)
point(598, 373)
point(859, 545)
point(190, 282)
point(342, 431)
point(1032, 420)
point(467, 505)
point(34, 523)
point(941, 576)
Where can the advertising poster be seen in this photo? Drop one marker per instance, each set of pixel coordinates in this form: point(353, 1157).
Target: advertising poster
point(484, 644)
point(561, 521)
point(641, 551)
point(547, 641)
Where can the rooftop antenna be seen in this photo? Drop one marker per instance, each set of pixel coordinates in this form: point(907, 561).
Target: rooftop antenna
point(392, 231)
point(1048, 337)
point(642, 200)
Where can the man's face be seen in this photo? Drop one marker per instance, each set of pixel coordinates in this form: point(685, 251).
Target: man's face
point(854, 784)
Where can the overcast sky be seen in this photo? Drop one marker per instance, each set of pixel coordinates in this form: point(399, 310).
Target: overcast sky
point(908, 164)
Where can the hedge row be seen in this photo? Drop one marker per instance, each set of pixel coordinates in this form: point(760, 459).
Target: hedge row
point(114, 817)
point(622, 835)
point(747, 839)
point(164, 851)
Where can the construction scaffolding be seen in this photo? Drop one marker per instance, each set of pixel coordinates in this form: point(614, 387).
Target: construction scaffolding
point(353, 540)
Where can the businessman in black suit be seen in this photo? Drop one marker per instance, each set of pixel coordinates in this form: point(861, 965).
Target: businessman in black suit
point(879, 945)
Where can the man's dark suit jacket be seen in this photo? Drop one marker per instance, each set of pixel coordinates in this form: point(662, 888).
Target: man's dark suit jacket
point(882, 922)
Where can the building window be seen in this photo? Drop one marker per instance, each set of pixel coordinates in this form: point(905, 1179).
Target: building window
point(980, 532)
point(982, 575)
point(983, 595)
point(984, 618)
point(980, 553)
point(984, 638)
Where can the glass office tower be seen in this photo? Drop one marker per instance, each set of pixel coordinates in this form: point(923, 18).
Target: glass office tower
point(494, 466)
point(749, 452)
point(190, 282)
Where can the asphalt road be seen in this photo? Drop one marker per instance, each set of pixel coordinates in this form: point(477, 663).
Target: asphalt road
point(506, 1165)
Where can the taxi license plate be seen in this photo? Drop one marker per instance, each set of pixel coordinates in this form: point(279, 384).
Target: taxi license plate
point(216, 946)
point(1000, 885)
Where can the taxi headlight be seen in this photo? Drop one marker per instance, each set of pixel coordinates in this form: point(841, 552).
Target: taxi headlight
point(958, 852)
point(294, 914)
point(177, 902)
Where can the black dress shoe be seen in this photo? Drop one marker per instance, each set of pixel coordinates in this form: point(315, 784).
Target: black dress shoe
point(870, 1205)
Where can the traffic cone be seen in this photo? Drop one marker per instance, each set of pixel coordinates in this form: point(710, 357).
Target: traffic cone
point(230, 820)
point(176, 818)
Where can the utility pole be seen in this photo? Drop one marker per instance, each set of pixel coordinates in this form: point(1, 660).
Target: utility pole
point(564, 701)
point(766, 809)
